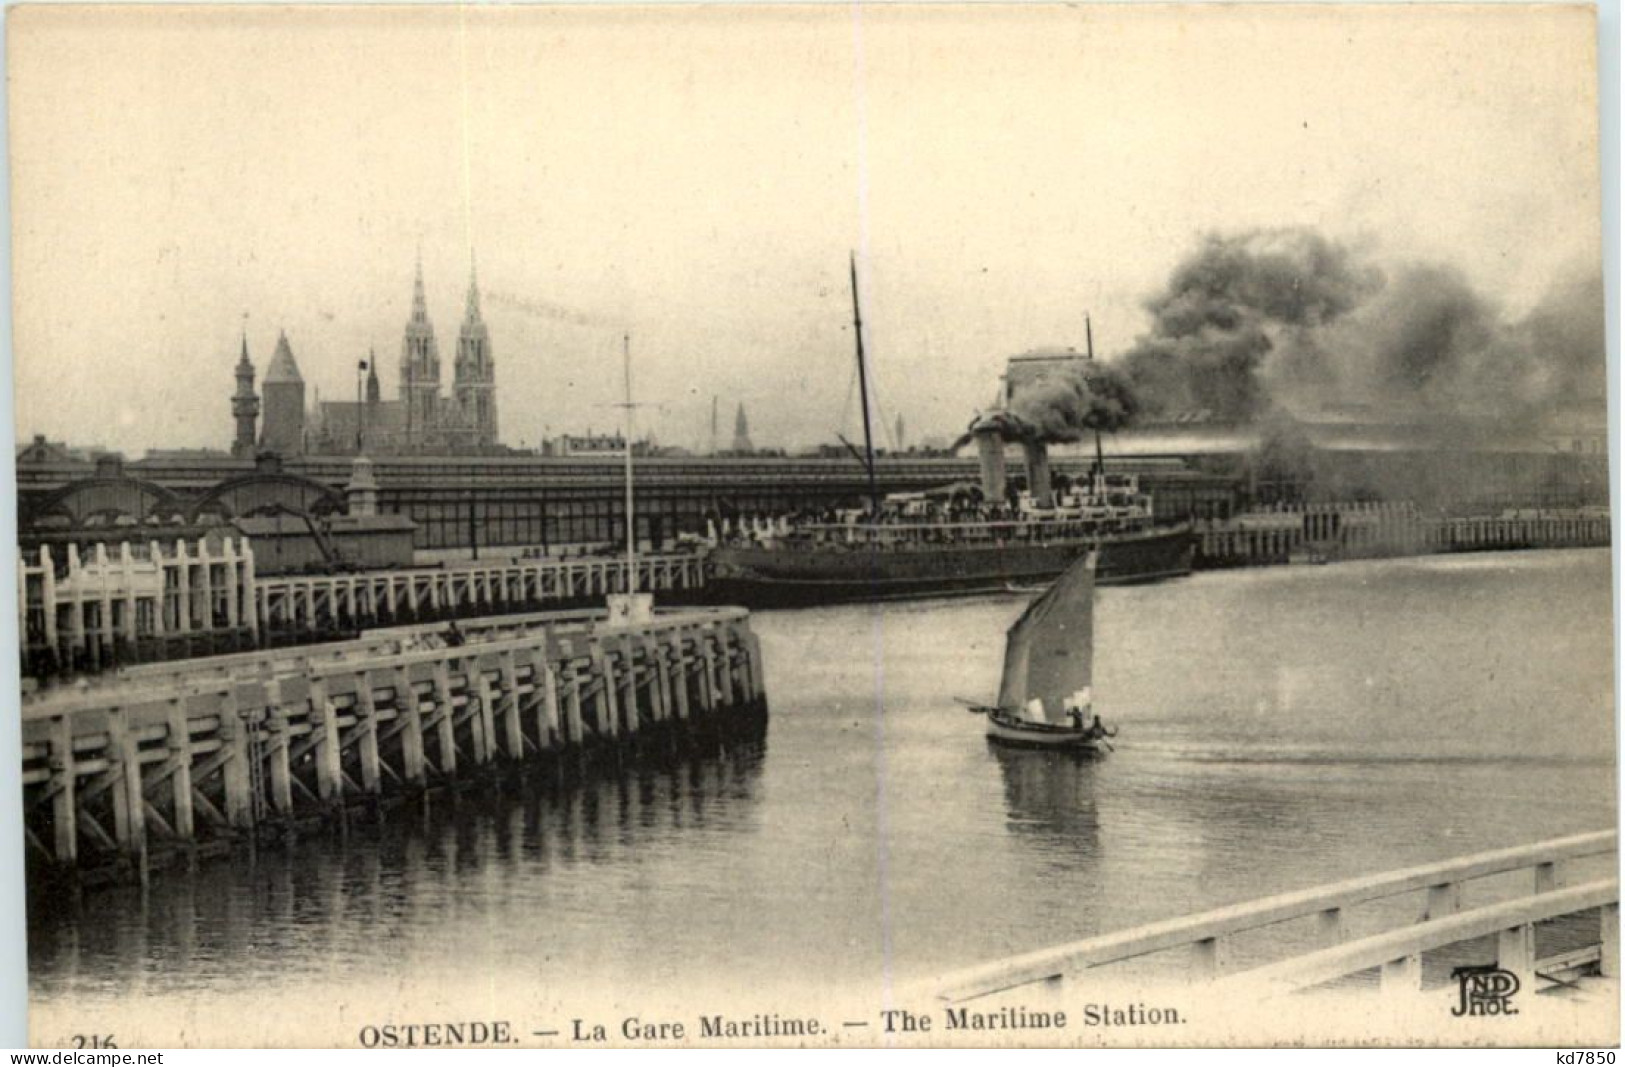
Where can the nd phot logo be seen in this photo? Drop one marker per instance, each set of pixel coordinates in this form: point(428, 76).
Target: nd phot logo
point(1485, 990)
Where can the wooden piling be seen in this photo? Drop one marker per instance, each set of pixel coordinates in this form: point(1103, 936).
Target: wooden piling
point(366, 734)
point(237, 743)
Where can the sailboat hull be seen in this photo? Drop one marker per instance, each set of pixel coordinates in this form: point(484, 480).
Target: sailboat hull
point(1019, 734)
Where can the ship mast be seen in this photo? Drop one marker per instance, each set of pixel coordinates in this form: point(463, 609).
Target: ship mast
point(1100, 453)
point(631, 520)
point(863, 391)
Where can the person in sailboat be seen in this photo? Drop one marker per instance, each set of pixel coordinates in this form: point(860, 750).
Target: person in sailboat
point(1078, 709)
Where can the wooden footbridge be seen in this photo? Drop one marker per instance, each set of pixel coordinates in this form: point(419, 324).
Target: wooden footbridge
point(171, 757)
point(1522, 888)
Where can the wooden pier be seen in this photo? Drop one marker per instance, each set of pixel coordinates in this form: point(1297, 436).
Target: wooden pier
point(181, 756)
point(1394, 953)
point(140, 603)
point(307, 604)
point(1333, 531)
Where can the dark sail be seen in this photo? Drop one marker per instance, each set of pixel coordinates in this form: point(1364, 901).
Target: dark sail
point(1049, 652)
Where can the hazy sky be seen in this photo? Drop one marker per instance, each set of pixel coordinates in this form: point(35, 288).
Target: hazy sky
point(699, 174)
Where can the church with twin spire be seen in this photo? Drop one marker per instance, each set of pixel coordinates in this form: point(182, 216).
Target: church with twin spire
point(422, 421)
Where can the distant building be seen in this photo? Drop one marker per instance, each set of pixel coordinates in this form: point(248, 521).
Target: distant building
point(184, 454)
point(245, 406)
point(742, 445)
point(474, 388)
point(587, 444)
point(1035, 366)
point(420, 422)
point(40, 450)
point(1579, 432)
point(591, 444)
point(284, 390)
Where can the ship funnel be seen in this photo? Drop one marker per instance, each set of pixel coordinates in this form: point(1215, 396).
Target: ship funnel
point(1038, 477)
point(990, 450)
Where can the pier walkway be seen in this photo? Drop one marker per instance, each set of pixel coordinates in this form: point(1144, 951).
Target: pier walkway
point(1569, 880)
point(140, 603)
point(173, 756)
point(373, 598)
point(1333, 531)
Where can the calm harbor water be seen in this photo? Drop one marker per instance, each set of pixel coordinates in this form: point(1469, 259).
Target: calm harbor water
point(1279, 728)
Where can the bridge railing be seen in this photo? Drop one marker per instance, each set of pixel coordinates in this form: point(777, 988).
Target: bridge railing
point(1399, 952)
point(1208, 935)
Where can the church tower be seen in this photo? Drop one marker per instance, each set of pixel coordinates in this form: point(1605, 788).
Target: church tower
point(420, 373)
point(245, 406)
point(474, 379)
point(742, 443)
point(284, 428)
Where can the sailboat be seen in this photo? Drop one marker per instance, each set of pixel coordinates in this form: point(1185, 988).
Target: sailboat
point(1045, 699)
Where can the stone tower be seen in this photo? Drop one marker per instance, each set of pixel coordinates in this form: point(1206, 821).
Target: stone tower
point(420, 373)
point(474, 379)
point(742, 432)
point(284, 427)
point(374, 393)
point(245, 406)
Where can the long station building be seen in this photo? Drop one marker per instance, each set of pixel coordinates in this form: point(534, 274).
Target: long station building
point(435, 466)
point(461, 502)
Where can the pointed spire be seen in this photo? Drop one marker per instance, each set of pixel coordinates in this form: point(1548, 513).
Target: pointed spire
point(472, 313)
point(420, 304)
point(283, 368)
point(245, 404)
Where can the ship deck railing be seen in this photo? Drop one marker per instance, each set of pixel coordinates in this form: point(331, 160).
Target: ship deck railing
point(1396, 953)
point(1002, 531)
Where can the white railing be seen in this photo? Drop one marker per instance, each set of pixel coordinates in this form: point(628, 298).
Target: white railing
point(1207, 934)
point(1399, 952)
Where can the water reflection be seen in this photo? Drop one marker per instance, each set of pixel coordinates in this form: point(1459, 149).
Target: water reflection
point(1051, 799)
point(308, 906)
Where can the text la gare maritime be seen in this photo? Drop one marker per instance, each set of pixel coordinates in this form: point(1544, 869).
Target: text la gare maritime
point(892, 1020)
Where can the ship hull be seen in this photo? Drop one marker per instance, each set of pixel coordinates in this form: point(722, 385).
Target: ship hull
point(775, 577)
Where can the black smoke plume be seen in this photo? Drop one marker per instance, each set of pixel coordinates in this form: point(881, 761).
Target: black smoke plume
point(1253, 323)
point(1228, 306)
point(1430, 344)
point(1074, 403)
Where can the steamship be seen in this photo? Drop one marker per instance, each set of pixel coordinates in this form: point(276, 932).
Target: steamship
point(956, 541)
point(915, 547)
